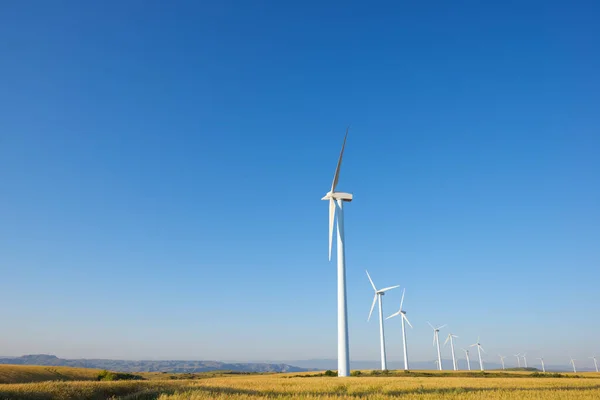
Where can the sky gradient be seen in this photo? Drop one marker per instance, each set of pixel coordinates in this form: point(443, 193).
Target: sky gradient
point(162, 164)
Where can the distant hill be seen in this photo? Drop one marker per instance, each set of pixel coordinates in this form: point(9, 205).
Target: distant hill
point(149, 365)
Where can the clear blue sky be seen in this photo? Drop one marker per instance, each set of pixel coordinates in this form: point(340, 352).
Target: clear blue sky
point(162, 164)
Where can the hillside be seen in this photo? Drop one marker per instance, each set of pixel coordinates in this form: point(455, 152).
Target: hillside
point(149, 365)
point(30, 373)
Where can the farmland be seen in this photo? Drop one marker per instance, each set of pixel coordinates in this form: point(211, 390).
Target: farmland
point(416, 385)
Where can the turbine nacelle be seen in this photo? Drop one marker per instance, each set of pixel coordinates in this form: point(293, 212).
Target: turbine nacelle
point(338, 196)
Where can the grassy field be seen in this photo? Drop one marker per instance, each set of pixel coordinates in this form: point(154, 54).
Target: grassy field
point(417, 385)
point(34, 373)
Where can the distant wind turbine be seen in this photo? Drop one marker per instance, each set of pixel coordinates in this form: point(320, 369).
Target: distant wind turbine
point(502, 360)
point(467, 357)
point(404, 318)
point(378, 296)
point(543, 366)
point(518, 355)
point(336, 200)
point(436, 341)
point(525, 359)
point(451, 339)
point(595, 362)
point(573, 363)
point(479, 350)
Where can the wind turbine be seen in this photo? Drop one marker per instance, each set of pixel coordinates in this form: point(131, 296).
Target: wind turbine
point(518, 355)
point(573, 363)
point(451, 339)
point(543, 366)
point(378, 294)
point(436, 341)
point(479, 350)
point(467, 357)
point(502, 360)
point(403, 313)
point(525, 359)
point(595, 362)
point(336, 200)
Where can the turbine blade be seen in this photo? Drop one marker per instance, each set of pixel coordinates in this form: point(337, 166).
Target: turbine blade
point(394, 315)
point(406, 319)
point(331, 221)
point(475, 344)
point(339, 164)
point(482, 349)
point(372, 307)
point(440, 327)
point(388, 288)
point(371, 280)
point(402, 299)
point(446, 341)
point(430, 325)
point(433, 338)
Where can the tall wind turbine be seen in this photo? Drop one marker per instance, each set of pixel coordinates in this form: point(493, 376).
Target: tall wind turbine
point(502, 360)
point(518, 355)
point(595, 362)
point(436, 341)
point(451, 339)
point(378, 296)
point(479, 350)
point(525, 359)
point(543, 366)
point(403, 313)
point(336, 200)
point(467, 357)
point(573, 363)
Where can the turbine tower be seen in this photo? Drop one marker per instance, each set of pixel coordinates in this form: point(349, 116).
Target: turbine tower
point(451, 339)
point(543, 366)
point(467, 357)
point(479, 350)
point(518, 355)
point(436, 341)
point(336, 200)
point(403, 313)
point(378, 296)
point(502, 360)
point(525, 359)
point(573, 363)
point(595, 362)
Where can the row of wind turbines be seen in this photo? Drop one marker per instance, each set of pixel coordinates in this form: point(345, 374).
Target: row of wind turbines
point(378, 298)
point(336, 214)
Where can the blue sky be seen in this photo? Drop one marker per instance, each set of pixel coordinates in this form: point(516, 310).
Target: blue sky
point(162, 165)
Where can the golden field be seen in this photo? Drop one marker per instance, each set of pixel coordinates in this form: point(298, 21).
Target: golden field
point(417, 385)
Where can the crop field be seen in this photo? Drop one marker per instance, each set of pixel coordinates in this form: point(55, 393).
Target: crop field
point(416, 385)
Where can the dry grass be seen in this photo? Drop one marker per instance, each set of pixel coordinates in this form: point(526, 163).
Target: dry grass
point(294, 387)
point(34, 373)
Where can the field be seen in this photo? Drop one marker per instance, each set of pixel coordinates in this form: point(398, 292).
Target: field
point(416, 385)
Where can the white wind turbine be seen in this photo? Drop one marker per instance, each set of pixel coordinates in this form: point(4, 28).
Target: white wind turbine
point(436, 341)
point(467, 357)
point(518, 355)
point(336, 200)
point(525, 359)
point(451, 339)
point(595, 362)
point(543, 366)
point(378, 294)
point(479, 350)
point(573, 363)
point(403, 313)
point(502, 360)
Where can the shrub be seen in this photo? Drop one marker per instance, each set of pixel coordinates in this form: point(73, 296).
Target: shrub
point(356, 373)
point(117, 376)
point(330, 373)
